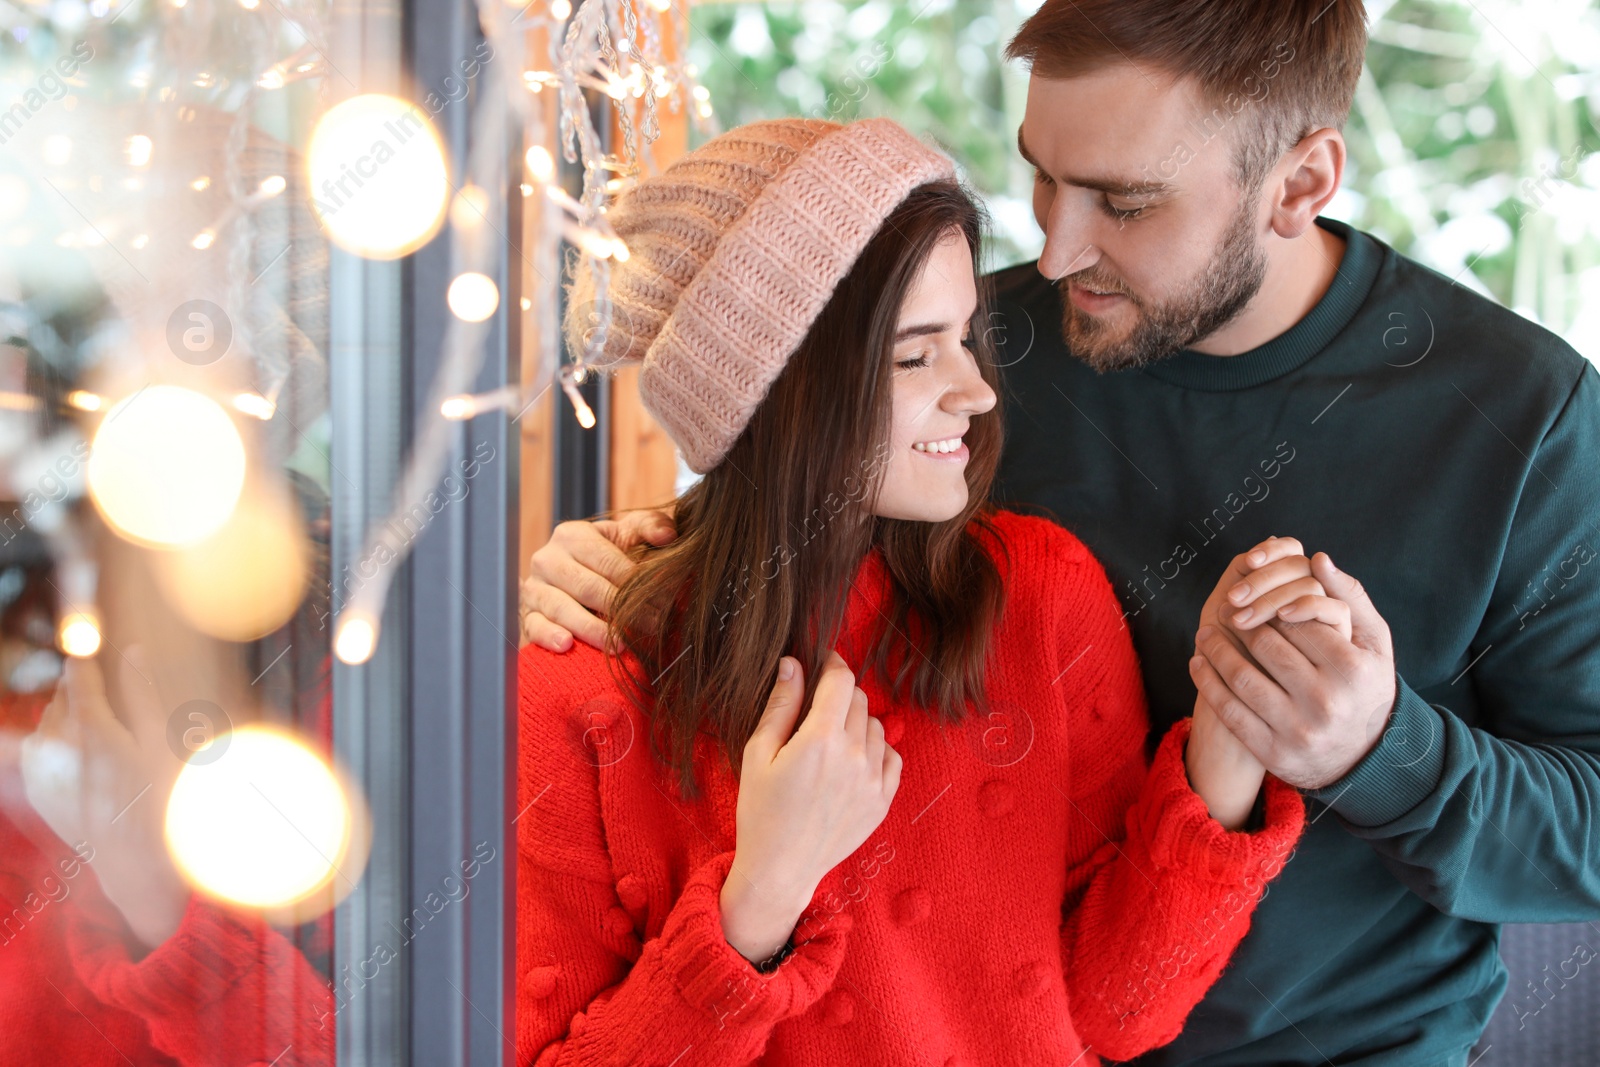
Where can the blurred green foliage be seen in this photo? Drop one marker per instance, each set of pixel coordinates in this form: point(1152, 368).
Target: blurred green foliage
point(1474, 140)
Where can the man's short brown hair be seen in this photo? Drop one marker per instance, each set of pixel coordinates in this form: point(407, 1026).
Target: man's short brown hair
point(1284, 68)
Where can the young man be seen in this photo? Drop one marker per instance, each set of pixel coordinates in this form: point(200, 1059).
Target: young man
point(1198, 361)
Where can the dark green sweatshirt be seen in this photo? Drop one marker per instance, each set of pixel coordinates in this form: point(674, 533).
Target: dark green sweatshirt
point(1446, 452)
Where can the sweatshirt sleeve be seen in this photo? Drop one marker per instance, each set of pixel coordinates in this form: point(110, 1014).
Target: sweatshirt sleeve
point(592, 988)
point(1499, 821)
point(1158, 893)
point(225, 990)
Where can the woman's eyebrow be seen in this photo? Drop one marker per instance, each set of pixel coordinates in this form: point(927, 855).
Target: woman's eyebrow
point(905, 333)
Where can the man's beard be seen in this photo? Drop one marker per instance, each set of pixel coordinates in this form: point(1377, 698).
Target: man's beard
point(1228, 282)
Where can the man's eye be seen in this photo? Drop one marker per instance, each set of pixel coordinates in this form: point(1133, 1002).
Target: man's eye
point(1122, 214)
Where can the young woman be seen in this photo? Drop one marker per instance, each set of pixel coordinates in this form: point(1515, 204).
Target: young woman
point(861, 777)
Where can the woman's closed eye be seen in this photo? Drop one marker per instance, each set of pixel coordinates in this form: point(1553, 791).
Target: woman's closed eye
point(921, 358)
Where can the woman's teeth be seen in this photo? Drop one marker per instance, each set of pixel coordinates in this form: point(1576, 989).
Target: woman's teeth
point(949, 444)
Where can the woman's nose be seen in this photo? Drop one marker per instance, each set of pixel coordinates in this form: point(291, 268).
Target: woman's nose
point(971, 394)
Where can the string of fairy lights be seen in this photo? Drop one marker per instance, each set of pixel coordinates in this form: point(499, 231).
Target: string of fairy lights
point(613, 47)
point(175, 462)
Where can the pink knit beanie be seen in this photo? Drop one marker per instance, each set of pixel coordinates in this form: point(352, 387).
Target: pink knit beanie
point(733, 252)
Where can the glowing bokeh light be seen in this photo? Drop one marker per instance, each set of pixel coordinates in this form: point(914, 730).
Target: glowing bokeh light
point(79, 634)
point(354, 639)
point(473, 296)
point(166, 466)
point(265, 824)
point(139, 148)
point(540, 163)
point(380, 185)
point(246, 580)
point(255, 405)
point(469, 208)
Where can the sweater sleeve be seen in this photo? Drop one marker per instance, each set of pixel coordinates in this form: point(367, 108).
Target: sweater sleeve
point(590, 993)
point(225, 990)
point(592, 989)
point(1492, 813)
point(1158, 893)
point(1162, 899)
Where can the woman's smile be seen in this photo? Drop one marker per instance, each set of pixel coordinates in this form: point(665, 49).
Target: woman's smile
point(949, 449)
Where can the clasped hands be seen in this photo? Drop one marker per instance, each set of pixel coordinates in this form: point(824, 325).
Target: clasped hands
point(1293, 658)
point(1302, 686)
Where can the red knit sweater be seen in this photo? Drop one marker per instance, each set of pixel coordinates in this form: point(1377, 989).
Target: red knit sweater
point(1036, 894)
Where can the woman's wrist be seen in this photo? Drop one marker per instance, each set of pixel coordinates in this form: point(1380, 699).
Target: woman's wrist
point(1222, 772)
point(758, 920)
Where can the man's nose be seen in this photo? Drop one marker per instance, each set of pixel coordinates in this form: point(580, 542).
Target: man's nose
point(1066, 251)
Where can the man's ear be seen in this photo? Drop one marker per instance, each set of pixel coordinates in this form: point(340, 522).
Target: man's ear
point(1305, 180)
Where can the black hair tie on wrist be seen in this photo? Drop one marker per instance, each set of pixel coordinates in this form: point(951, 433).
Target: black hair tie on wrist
point(770, 964)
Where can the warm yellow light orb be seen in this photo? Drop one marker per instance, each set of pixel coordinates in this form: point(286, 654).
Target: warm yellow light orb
point(84, 400)
point(255, 405)
point(469, 208)
point(354, 639)
point(166, 466)
point(540, 163)
point(79, 634)
point(473, 296)
point(245, 580)
point(265, 824)
point(380, 184)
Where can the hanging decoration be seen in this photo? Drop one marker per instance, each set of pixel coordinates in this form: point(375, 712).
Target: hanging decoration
point(185, 202)
point(613, 50)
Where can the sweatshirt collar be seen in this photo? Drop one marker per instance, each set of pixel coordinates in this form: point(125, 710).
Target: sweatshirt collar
point(1358, 270)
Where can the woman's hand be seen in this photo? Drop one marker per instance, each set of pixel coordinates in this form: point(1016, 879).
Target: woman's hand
point(1222, 771)
point(94, 777)
point(808, 798)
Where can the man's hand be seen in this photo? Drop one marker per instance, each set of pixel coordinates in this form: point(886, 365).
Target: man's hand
point(1313, 687)
point(573, 577)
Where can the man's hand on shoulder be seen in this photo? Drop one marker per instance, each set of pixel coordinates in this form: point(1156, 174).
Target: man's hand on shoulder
point(572, 579)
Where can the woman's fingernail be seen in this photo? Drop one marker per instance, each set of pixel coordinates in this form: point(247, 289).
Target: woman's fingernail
point(1194, 661)
point(1243, 615)
point(786, 668)
point(1206, 632)
point(1258, 558)
point(1240, 590)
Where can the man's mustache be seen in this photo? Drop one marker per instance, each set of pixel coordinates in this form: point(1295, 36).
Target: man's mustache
point(1096, 282)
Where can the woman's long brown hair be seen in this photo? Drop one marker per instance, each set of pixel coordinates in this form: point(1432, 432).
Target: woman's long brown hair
point(769, 541)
